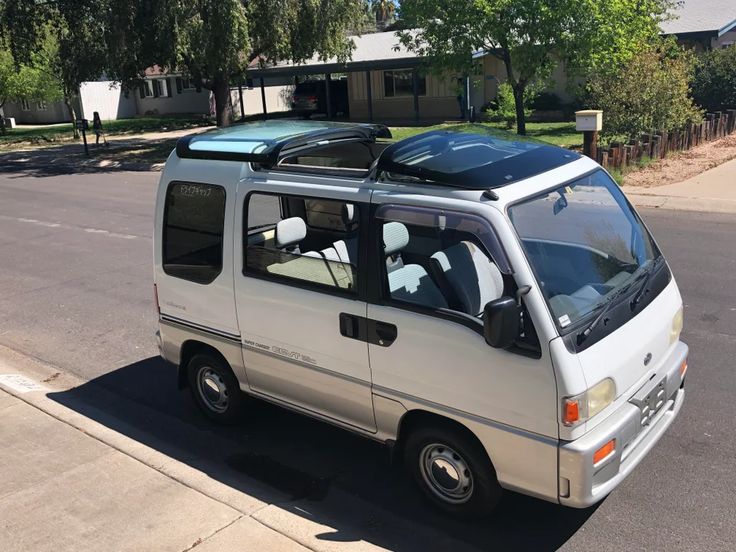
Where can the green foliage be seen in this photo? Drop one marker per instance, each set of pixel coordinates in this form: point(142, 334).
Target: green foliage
point(649, 92)
point(529, 36)
point(504, 108)
point(214, 41)
point(25, 82)
point(714, 81)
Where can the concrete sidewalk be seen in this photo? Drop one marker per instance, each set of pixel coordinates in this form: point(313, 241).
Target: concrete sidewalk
point(713, 190)
point(65, 490)
point(72, 478)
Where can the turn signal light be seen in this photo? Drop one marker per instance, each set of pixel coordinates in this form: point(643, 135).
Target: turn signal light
point(572, 412)
point(683, 368)
point(605, 451)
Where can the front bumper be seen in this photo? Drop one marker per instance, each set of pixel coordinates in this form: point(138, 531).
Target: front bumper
point(582, 483)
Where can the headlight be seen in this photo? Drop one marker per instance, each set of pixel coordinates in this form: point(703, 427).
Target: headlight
point(586, 405)
point(676, 326)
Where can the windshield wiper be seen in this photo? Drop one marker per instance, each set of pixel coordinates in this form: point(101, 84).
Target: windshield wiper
point(646, 274)
point(648, 271)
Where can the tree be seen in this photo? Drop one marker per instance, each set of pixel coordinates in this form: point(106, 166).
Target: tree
point(714, 82)
point(384, 11)
point(649, 92)
point(530, 37)
point(215, 41)
point(61, 39)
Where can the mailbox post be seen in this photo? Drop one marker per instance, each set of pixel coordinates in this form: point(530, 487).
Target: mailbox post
point(589, 122)
point(83, 125)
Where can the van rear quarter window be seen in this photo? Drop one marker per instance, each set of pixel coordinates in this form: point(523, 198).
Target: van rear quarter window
point(194, 219)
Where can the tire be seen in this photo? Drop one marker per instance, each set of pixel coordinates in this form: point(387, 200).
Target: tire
point(215, 388)
point(435, 456)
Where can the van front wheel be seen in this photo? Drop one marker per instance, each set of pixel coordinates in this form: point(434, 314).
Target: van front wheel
point(215, 388)
point(452, 471)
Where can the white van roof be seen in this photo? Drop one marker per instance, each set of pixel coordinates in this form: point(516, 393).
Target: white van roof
point(450, 158)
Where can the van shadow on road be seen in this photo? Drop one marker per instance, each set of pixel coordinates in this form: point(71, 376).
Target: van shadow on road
point(285, 458)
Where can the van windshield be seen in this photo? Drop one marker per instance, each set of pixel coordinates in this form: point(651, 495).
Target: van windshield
point(586, 246)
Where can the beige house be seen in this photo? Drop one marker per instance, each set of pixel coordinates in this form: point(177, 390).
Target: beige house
point(388, 82)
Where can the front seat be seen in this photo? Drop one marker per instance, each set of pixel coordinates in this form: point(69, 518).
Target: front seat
point(410, 282)
point(473, 278)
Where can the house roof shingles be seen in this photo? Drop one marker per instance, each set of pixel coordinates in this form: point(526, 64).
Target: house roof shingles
point(695, 16)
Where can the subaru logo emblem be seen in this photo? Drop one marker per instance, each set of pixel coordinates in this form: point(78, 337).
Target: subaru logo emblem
point(647, 359)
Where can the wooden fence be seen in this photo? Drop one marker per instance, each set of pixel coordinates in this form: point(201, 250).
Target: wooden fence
point(656, 145)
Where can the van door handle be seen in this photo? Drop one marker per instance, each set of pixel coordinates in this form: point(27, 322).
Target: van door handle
point(353, 326)
point(381, 333)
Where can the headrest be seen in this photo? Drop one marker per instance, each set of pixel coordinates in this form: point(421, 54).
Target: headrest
point(395, 237)
point(348, 214)
point(290, 232)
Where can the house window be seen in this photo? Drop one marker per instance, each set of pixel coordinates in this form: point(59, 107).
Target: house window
point(187, 85)
point(400, 83)
point(24, 105)
point(161, 88)
point(41, 105)
point(148, 89)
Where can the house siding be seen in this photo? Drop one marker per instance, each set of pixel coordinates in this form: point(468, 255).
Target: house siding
point(55, 112)
point(440, 101)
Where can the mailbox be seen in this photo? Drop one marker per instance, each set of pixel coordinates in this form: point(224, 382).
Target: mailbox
point(589, 120)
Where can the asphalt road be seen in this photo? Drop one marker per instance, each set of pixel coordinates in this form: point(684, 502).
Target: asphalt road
point(76, 292)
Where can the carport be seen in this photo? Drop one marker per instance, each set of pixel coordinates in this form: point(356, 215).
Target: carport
point(385, 81)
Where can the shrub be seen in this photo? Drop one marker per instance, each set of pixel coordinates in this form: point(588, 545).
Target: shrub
point(504, 108)
point(649, 92)
point(546, 101)
point(714, 80)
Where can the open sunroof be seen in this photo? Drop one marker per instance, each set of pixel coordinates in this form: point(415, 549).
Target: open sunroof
point(473, 161)
point(264, 142)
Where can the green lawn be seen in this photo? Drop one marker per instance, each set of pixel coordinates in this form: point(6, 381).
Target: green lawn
point(63, 132)
point(559, 134)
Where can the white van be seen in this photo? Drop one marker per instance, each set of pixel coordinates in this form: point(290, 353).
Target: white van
point(494, 310)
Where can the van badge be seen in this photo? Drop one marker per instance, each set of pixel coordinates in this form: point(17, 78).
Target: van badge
point(647, 359)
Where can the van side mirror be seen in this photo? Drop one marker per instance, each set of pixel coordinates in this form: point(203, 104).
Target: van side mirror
point(501, 322)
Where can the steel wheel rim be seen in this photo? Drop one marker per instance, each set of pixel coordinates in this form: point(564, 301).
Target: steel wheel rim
point(446, 473)
point(212, 389)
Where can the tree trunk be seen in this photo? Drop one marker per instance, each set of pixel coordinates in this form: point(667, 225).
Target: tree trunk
point(221, 91)
point(69, 105)
point(519, 104)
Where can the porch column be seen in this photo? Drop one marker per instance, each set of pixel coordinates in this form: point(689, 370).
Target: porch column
point(328, 96)
point(263, 98)
point(370, 95)
point(415, 87)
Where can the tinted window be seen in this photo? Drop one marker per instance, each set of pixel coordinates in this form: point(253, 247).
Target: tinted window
point(194, 219)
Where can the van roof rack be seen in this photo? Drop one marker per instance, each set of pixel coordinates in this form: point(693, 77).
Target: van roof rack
point(265, 142)
point(462, 160)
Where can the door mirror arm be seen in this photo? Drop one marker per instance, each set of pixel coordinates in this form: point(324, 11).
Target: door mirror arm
point(501, 322)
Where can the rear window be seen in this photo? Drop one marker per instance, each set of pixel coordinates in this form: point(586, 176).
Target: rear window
point(194, 219)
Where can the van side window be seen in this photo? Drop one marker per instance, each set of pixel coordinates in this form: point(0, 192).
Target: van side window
point(194, 219)
point(435, 259)
point(307, 241)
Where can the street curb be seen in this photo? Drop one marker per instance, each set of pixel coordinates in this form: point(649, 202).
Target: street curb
point(302, 522)
point(676, 203)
